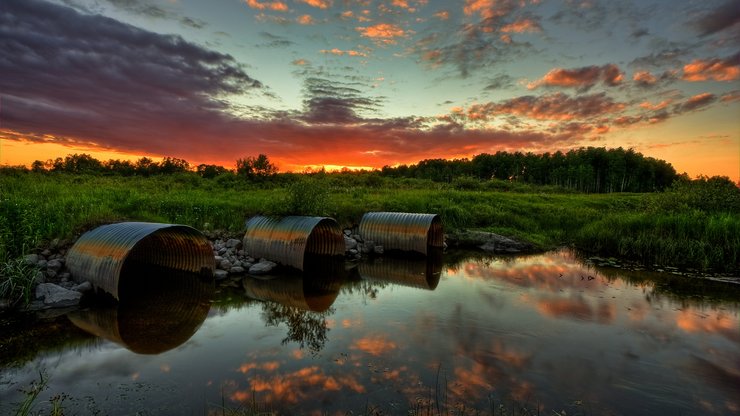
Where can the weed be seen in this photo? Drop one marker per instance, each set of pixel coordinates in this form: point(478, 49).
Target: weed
point(17, 279)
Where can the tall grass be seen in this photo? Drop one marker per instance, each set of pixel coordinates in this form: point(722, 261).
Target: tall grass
point(675, 227)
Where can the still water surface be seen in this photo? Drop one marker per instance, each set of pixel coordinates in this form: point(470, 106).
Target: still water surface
point(544, 332)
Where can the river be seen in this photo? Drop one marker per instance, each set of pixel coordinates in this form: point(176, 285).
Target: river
point(543, 334)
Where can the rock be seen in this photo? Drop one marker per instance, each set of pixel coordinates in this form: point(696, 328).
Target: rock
point(54, 244)
point(218, 259)
point(51, 274)
point(54, 265)
point(249, 259)
point(353, 251)
point(357, 238)
point(222, 251)
point(347, 233)
point(367, 247)
point(349, 243)
point(64, 276)
point(82, 287)
point(263, 267)
point(32, 259)
point(225, 264)
point(236, 270)
point(378, 249)
point(41, 264)
point(233, 243)
point(219, 274)
point(46, 253)
point(5, 304)
point(40, 277)
point(55, 296)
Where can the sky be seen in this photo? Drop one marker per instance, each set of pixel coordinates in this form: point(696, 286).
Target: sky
point(364, 83)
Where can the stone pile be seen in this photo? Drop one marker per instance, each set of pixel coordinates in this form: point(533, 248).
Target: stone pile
point(55, 287)
point(231, 259)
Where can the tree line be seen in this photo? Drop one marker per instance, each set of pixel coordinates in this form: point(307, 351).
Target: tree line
point(590, 170)
point(593, 169)
point(249, 167)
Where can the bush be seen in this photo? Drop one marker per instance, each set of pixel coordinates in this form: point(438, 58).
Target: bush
point(308, 196)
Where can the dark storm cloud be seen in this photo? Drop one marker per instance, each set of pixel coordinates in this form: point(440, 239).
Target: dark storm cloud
point(92, 76)
point(329, 101)
point(723, 17)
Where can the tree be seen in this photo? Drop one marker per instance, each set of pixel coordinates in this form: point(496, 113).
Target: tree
point(210, 171)
point(256, 168)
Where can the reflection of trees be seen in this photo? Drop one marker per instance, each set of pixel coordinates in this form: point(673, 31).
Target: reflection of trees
point(306, 328)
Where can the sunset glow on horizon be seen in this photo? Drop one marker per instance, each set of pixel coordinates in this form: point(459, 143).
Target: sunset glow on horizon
point(367, 83)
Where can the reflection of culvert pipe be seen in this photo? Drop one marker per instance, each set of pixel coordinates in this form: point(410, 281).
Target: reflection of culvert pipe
point(100, 254)
point(402, 230)
point(159, 309)
point(421, 273)
point(289, 239)
point(315, 289)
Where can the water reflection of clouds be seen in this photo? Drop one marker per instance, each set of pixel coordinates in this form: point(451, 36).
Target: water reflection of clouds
point(294, 387)
point(376, 345)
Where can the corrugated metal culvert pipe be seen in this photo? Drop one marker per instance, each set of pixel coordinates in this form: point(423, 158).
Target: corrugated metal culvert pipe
point(99, 255)
point(402, 230)
point(289, 239)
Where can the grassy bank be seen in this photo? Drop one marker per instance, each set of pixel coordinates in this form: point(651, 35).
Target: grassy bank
point(682, 227)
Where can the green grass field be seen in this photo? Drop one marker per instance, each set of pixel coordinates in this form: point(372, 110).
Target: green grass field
point(681, 227)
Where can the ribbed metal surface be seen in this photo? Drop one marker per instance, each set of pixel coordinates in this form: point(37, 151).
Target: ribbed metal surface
point(423, 273)
point(159, 309)
point(289, 239)
point(402, 230)
point(100, 254)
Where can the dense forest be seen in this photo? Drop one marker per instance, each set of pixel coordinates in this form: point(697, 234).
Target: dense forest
point(593, 170)
point(590, 170)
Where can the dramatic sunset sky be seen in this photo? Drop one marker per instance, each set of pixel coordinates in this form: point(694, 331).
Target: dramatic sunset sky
point(367, 83)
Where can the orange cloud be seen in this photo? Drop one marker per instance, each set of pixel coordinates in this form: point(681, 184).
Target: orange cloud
point(583, 78)
point(655, 107)
point(339, 52)
point(483, 7)
point(382, 32)
point(376, 345)
point(277, 6)
point(521, 26)
point(557, 106)
point(712, 69)
point(403, 4)
point(644, 78)
point(305, 19)
point(321, 4)
point(442, 15)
